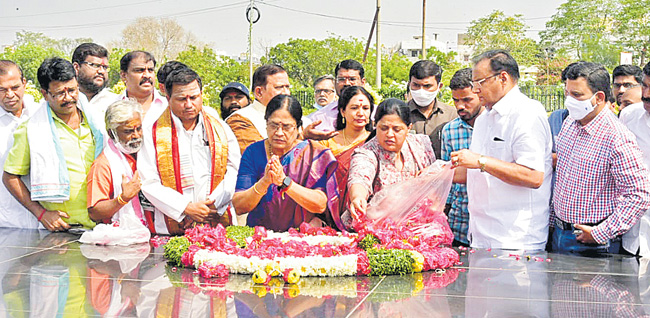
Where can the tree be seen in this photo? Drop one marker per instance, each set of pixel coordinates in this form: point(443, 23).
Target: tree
point(30, 56)
point(162, 37)
point(306, 59)
point(585, 29)
point(499, 31)
point(65, 45)
point(633, 27)
point(215, 71)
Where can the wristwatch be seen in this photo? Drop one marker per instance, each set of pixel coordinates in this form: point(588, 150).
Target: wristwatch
point(482, 161)
point(285, 184)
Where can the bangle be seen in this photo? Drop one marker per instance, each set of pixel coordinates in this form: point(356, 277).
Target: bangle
point(40, 217)
point(255, 189)
point(120, 200)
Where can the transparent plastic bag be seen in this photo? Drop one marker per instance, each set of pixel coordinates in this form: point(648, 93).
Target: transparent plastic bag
point(417, 203)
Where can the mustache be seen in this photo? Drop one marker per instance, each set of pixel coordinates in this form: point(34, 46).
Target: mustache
point(135, 142)
point(146, 80)
point(74, 102)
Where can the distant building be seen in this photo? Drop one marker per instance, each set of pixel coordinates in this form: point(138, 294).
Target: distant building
point(465, 51)
point(413, 48)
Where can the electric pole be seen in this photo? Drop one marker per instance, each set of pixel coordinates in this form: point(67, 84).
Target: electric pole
point(424, 28)
point(378, 75)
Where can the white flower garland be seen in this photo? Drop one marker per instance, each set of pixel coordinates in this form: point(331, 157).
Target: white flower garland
point(343, 265)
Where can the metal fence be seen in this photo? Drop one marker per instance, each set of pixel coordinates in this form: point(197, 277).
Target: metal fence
point(551, 96)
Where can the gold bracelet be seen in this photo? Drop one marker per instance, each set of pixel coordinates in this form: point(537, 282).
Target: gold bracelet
point(255, 189)
point(120, 200)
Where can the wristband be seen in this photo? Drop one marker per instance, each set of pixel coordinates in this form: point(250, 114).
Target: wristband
point(120, 200)
point(40, 217)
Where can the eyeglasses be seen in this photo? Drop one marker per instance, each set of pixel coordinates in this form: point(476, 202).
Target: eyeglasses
point(97, 66)
point(350, 79)
point(325, 90)
point(72, 91)
point(287, 128)
point(477, 83)
point(626, 85)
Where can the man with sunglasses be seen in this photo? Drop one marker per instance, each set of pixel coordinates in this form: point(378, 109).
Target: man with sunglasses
point(509, 160)
point(54, 150)
point(90, 62)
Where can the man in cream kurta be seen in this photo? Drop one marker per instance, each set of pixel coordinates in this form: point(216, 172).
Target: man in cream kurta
point(196, 202)
point(16, 107)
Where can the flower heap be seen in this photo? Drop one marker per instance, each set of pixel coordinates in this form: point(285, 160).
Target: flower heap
point(400, 287)
point(384, 249)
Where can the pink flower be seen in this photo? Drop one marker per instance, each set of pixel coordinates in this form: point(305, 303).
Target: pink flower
point(209, 270)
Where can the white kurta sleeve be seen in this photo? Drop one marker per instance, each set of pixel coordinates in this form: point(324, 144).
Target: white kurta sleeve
point(167, 200)
point(223, 193)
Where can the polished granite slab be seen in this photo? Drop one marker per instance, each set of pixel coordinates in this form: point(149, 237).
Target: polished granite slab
point(52, 275)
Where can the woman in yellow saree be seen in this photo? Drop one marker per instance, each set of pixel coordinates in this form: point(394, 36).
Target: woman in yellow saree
point(353, 125)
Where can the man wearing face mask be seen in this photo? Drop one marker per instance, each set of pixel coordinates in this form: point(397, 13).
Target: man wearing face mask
point(602, 186)
point(428, 114)
point(113, 182)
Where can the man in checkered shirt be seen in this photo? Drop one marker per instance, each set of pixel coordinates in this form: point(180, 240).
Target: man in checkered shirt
point(602, 185)
point(457, 135)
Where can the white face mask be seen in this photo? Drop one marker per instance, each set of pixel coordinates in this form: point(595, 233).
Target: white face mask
point(578, 109)
point(423, 97)
point(131, 147)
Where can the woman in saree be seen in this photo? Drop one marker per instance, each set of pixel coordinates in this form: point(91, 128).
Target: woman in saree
point(353, 125)
point(392, 156)
point(283, 181)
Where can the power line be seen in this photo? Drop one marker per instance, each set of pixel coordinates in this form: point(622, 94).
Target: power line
point(391, 23)
point(117, 22)
point(74, 11)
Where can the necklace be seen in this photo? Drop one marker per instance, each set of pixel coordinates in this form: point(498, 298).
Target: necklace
point(347, 142)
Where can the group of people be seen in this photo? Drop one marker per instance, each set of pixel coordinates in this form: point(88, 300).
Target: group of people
point(85, 155)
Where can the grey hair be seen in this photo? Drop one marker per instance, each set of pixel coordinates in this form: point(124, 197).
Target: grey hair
point(121, 111)
point(325, 77)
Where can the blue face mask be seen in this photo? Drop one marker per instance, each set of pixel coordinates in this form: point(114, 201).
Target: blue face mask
point(579, 109)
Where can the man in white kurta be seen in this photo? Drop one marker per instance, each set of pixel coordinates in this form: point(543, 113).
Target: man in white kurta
point(509, 162)
point(15, 108)
point(196, 200)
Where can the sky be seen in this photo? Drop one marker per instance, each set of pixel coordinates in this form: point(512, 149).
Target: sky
point(222, 24)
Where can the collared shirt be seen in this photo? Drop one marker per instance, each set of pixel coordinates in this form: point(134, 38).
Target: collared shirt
point(637, 120)
point(100, 102)
point(506, 216)
point(457, 135)
point(79, 152)
point(12, 213)
point(432, 125)
point(327, 115)
point(196, 164)
point(157, 107)
point(601, 178)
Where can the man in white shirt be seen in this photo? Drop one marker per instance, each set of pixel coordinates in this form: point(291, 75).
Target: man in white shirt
point(16, 108)
point(637, 119)
point(189, 160)
point(137, 71)
point(509, 161)
point(90, 62)
point(248, 123)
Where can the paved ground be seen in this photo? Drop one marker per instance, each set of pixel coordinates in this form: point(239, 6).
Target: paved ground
point(49, 275)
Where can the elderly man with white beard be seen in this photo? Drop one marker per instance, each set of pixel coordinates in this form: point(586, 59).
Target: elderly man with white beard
point(113, 182)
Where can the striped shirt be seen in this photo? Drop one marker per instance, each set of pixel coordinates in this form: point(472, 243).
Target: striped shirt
point(600, 177)
point(457, 135)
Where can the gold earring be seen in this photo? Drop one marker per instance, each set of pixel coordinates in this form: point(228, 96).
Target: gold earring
point(343, 120)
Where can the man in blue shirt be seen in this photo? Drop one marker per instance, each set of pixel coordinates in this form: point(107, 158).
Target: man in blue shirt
point(457, 135)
